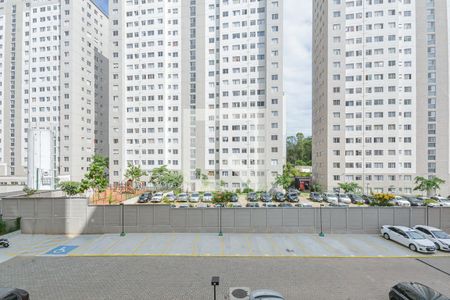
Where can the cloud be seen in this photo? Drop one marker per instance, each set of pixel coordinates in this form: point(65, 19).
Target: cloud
point(297, 65)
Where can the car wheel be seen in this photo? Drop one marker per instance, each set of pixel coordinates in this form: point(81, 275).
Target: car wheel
point(6, 245)
point(438, 247)
point(386, 236)
point(413, 247)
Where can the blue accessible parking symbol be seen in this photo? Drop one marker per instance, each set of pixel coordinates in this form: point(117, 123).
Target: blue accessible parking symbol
point(61, 250)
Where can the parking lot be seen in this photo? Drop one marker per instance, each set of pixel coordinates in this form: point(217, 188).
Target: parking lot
point(208, 244)
point(189, 277)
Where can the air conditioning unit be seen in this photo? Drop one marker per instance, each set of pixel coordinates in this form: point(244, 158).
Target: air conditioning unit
point(239, 293)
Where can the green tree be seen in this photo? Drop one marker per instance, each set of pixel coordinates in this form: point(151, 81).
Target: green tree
point(71, 188)
point(315, 187)
point(428, 185)
point(381, 199)
point(166, 179)
point(299, 149)
point(287, 178)
point(349, 187)
point(96, 177)
point(134, 173)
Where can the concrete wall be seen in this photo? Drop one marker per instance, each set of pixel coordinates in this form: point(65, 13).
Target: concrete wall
point(74, 216)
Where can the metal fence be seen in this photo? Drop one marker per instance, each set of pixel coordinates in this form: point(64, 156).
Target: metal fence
point(75, 216)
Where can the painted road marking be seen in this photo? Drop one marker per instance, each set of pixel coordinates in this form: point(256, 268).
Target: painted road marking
point(61, 250)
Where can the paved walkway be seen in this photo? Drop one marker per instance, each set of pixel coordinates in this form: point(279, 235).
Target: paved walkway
point(206, 244)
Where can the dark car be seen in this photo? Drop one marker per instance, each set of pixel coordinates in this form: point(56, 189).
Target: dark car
point(13, 294)
point(315, 197)
point(265, 197)
point(292, 197)
point(414, 291)
point(234, 198)
point(252, 205)
point(414, 200)
point(367, 198)
point(279, 196)
point(293, 190)
point(252, 197)
point(285, 205)
point(144, 198)
point(356, 199)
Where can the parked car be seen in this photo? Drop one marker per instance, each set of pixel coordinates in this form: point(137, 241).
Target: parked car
point(157, 197)
point(269, 204)
point(367, 198)
point(265, 197)
point(279, 197)
point(236, 205)
point(265, 295)
point(293, 190)
point(4, 243)
point(252, 197)
point(441, 200)
point(330, 198)
point(292, 197)
point(440, 238)
point(143, 198)
point(202, 205)
point(343, 198)
point(306, 204)
point(356, 199)
point(339, 204)
point(207, 197)
point(183, 205)
point(408, 237)
point(195, 197)
point(414, 201)
point(17, 294)
point(183, 197)
point(399, 201)
point(252, 204)
point(414, 291)
point(234, 198)
point(171, 197)
point(317, 197)
point(285, 205)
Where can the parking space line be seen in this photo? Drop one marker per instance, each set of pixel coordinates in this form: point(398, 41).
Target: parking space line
point(144, 240)
point(195, 244)
point(222, 246)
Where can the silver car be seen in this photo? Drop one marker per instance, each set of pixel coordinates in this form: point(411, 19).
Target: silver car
point(343, 198)
point(195, 197)
point(183, 197)
point(207, 197)
point(331, 198)
point(265, 295)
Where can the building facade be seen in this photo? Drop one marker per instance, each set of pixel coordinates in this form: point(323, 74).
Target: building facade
point(197, 86)
point(380, 93)
point(54, 77)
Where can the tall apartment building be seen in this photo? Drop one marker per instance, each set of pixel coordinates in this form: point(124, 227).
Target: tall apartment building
point(380, 93)
point(53, 76)
point(197, 86)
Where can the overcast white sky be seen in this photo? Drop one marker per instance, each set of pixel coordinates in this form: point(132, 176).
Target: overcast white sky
point(297, 65)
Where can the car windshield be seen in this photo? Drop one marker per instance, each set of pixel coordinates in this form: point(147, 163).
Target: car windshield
point(331, 195)
point(415, 235)
point(441, 235)
point(194, 195)
point(207, 194)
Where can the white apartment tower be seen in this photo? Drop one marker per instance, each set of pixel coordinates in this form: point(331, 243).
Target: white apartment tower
point(198, 86)
point(380, 93)
point(53, 76)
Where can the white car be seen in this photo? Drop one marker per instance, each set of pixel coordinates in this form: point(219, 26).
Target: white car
point(343, 198)
point(157, 197)
point(440, 238)
point(408, 237)
point(399, 201)
point(195, 197)
point(331, 198)
point(207, 197)
point(441, 200)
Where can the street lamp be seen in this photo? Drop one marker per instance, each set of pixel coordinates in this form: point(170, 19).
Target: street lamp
point(214, 283)
point(220, 221)
point(123, 219)
point(321, 234)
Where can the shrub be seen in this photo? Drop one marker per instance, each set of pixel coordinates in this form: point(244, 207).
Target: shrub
point(28, 191)
point(247, 190)
point(2, 227)
point(238, 191)
point(71, 188)
point(222, 197)
point(382, 199)
point(429, 201)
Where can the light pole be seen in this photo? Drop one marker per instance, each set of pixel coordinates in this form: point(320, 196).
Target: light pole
point(214, 283)
point(123, 219)
point(220, 221)
point(321, 234)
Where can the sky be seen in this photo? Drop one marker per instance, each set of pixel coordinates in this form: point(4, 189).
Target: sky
point(297, 63)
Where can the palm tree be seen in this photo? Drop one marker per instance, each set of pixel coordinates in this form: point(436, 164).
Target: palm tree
point(428, 185)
